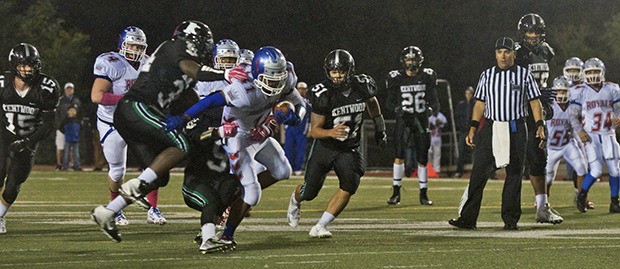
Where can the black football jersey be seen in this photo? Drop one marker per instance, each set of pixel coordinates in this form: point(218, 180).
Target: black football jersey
point(161, 80)
point(537, 61)
point(343, 107)
point(22, 115)
point(414, 95)
point(207, 160)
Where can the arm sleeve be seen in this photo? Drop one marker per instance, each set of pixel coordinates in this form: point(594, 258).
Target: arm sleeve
point(575, 112)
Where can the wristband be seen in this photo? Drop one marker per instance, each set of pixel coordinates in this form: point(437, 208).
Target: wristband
point(474, 123)
point(540, 123)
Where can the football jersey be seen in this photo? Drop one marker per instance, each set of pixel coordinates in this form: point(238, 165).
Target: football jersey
point(559, 128)
point(597, 106)
point(205, 154)
point(248, 106)
point(23, 115)
point(115, 68)
point(343, 107)
point(413, 94)
point(205, 88)
point(536, 61)
point(161, 80)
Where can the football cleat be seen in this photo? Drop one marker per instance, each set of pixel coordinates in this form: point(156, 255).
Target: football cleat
point(105, 219)
point(132, 190)
point(319, 231)
point(214, 244)
point(233, 243)
point(545, 214)
point(460, 223)
point(589, 204)
point(198, 238)
point(154, 216)
point(120, 219)
point(395, 199)
point(2, 226)
point(614, 207)
point(294, 212)
point(424, 197)
point(582, 197)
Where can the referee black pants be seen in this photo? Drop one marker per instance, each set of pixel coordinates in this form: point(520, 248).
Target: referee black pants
point(484, 165)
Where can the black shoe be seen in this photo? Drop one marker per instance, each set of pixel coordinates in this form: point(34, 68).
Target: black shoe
point(582, 198)
point(424, 197)
point(511, 227)
point(614, 207)
point(395, 199)
point(460, 223)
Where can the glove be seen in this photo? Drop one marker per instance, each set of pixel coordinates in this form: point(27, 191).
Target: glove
point(229, 129)
point(381, 139)
point(237, 73)
point(20, 145)
point(292, 119)
point(173, 122)
point(265, 130)
point(548, 95)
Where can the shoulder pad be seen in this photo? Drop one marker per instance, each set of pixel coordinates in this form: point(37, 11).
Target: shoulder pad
point(394, 73)
point(517, 46)
point(50, 92)
point(545, 46)
point(367, 84)
point(318, 90)
point(429, 71)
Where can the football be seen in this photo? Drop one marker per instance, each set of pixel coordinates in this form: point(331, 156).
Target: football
point(285, 106)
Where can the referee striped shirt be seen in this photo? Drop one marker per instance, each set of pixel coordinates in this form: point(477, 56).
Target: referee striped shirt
point(506, 92)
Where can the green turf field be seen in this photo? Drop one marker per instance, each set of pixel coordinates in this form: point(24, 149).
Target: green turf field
point(49, 227)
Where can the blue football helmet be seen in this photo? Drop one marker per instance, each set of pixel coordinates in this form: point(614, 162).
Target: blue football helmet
point(594, 71)
point(269, 70)
point(573, 69)
point(132, 36)
point(225, 48)
point(245, 56)
point(561, 84)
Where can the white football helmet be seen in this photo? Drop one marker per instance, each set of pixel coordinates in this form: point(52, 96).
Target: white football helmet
point(594, 71)
point(132, 36)
point(225, 48)
point(245, 56)
point(573, 69)
point(561, 84)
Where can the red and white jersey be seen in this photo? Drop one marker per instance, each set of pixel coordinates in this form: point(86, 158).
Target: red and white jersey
point(205, 88)
point(249, 107)
point(559, 128)
point(597, 106)
point(115, 68)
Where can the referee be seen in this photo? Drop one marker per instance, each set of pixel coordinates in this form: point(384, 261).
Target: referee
point(502, 96)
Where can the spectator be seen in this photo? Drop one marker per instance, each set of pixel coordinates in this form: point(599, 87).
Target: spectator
point(436, 121)
point(66, 101)
point(296, 136)
point(71, 126)
point(463, 117)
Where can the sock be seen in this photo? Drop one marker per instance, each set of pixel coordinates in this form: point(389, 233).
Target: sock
point(326, 219)
point(229, 230)
point(208, 231)
point(148, 175)
point(541, 200)
point(399, 173)
point(588, 181)
point(153, 197)
point(3, 209)
point(113, 195)
point(614, 183)
point(117, 204)
point(423, 176)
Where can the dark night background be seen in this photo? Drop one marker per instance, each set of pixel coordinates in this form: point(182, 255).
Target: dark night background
point(456, 37)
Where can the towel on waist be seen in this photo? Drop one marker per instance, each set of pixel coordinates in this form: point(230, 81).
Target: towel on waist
point(501, 143)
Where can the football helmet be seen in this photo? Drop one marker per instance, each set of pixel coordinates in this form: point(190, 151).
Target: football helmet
point(245, 56)
point(532, 23)
point(269, 70)
point(25, 54)
point(340, 60)
point(198, 34)
point(594, 71)
point(132, 36)
point(573, 69)
point(414, 53)
point(225, 48)
point(561, 84)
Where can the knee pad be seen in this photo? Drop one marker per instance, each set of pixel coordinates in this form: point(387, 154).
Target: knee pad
point(614, 170)
point(350, 185)
point(116, 173)
point(282, 172)
point(251, 194)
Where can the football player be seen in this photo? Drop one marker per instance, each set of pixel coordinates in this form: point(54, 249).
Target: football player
point(139, 117)
point(562, 143)
point(597, 101)
point(245, 56)
point(28, 99)
point(114, 73)
point(338, 105)
point(534, 53)
point(412, 94)
point(249, 104)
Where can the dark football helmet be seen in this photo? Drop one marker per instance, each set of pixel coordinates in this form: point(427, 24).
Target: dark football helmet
point(25, 54)
point(340, 60)
point(200, 35)
point(414, 53)
point(532, 23)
